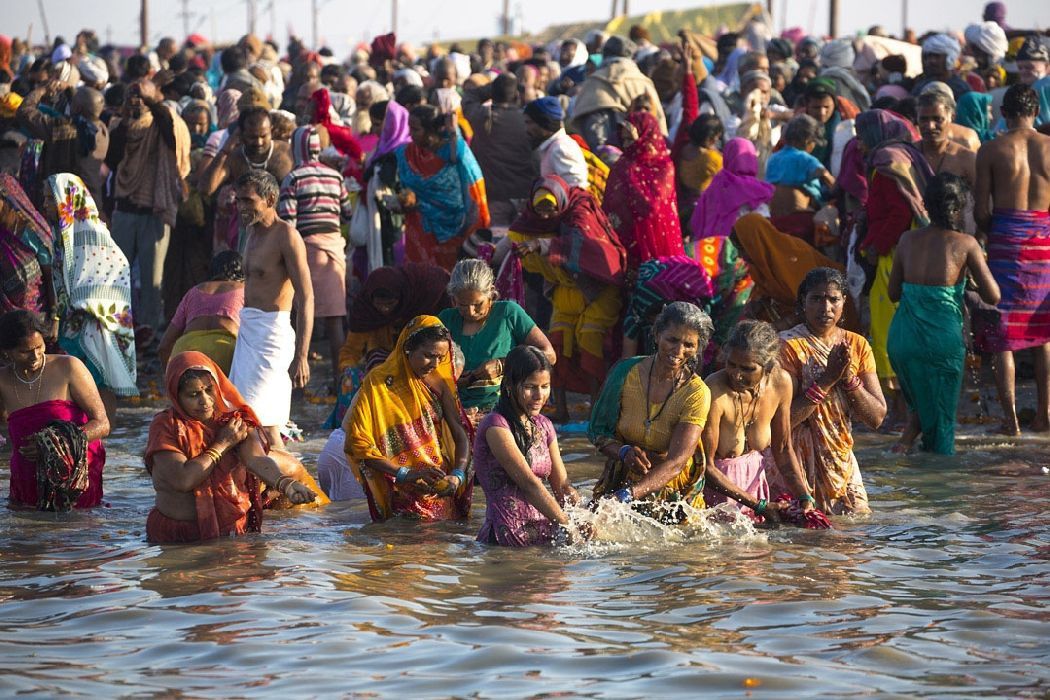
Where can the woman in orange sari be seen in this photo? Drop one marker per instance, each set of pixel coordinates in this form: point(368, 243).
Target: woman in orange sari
point(207, 454)
point(405, 435)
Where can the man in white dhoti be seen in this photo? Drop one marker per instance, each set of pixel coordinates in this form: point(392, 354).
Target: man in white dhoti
point(270, 358)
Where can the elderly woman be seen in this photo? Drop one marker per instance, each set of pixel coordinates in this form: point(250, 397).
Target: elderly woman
point(404, 433)
point(485, 329)
point(53, 412)
point(564, 235)
point(833, 374)
point(442, 189)
point(207, 318)
point(206, 455)
point(648, 419)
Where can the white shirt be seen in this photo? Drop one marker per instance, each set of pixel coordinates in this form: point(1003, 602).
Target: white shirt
point(560, 155)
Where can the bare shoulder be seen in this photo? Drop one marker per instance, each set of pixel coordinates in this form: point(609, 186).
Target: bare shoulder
point(717, 384)
point(782, 381)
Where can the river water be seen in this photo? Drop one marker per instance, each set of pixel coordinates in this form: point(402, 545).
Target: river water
point(942, 592)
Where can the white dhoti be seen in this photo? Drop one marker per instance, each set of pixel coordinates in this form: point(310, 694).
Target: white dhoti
point(261, 359)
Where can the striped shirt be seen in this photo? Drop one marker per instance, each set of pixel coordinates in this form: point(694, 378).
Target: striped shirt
point(313, 197)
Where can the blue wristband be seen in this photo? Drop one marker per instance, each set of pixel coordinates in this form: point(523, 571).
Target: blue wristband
point(623, 451)
point(459, 474)
point(402, 474)
point(624, 495)
point(760, 507)
point(809, 498)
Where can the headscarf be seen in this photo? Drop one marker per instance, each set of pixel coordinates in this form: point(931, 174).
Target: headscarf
point(989, 37)
point(62, 52)
point(306, 145)
point(93, 70)
point(228, 500)
point(395, 131)
point(733, 187)
point(972, 111)
point(996, 12)
point(897, 92)
point(226, 107)
point(640, 195)
point(419, 289)
point(384, 49)
point(393, 418)
point(546, 112)
point(9, 105)
point(579, 56)
point(943, 44)
point(890, 141)
point(837, 54)
point(342, 136)
point(585, 241)
point(410, 76)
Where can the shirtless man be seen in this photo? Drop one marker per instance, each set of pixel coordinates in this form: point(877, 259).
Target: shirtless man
point(943, 154)
point(270, 358)
point(748, 430)
point(1012, 197)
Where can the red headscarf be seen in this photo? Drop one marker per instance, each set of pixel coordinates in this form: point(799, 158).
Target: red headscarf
point(342, 137)
point(228, 500)
point(640, 195)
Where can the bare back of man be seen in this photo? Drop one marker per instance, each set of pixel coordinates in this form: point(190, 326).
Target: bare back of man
point(1014, 170)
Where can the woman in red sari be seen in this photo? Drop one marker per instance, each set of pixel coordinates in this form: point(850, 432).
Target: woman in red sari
point(207, 455)
point(640, 196)
point(38, 390)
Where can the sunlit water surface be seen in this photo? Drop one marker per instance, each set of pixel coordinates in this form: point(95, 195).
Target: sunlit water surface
point(942, 592)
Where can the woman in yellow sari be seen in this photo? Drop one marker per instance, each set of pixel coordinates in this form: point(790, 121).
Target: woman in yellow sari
point(405, 435)
point(650, 414)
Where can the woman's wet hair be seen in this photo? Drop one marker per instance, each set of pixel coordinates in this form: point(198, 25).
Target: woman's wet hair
point(682, 313)
point(758, 338)
point(472, 275)
point(946, 198)
point(16, 326)
point(427, 335)
point(227, 266)
point(430, 118)
point(521, 363)
point(191, 374)
point(819, 277)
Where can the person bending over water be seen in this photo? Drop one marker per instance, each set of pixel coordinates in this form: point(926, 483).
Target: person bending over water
point(834, 380)
point(649, 415)
point(56, 420)
point(515, 452)
point(206, 455)
point(405, 436)
point(926, 345)
point(748, 430)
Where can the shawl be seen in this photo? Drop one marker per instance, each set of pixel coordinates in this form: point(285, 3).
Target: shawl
point(733, 187)
point(777, 261)
point(420, 288)
point(395, 132)
point(665, 280)
point(62, 472)
point(606, 410)
point(449, 187)
point(891, 153)
point(396, 417)
point(586, 242)
point(95, 278)
point(614, 86)
point(228, 501)
point(150, 173)
point(640, 195)
point(972, 111)
point(342, 136)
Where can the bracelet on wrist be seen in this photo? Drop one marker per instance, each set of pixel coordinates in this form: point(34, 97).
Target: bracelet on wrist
point(814, 394)
point(459, 474)
point(623, 452)
point(807, 497)
point(401, 475)
point(624, 495)
point(853, 384)
point(214, 454)
point(760, 507)
point(282, 482)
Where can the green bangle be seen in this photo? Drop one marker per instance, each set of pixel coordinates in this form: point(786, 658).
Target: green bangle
point(809, 498)
point(760, 507)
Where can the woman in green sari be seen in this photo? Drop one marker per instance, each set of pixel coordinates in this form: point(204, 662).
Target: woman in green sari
point(925, 343)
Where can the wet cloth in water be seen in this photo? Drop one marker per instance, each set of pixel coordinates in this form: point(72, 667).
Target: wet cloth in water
point(62, 470)
point(1019, 258)
point(748, 472)
point(23, 425)
point(928, 354)
point(264, 352)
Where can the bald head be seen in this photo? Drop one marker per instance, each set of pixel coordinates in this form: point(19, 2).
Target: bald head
point(88, 103)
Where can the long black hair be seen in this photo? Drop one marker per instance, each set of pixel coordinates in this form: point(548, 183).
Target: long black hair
point(520, 363)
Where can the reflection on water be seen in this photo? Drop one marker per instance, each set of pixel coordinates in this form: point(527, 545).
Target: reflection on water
point(942, 592)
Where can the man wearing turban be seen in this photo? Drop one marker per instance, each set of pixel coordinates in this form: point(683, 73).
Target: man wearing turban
point(940, 57)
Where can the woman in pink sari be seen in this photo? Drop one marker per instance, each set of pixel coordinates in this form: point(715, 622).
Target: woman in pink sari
point(56, 420)
point(640, 196)
point(734, 191)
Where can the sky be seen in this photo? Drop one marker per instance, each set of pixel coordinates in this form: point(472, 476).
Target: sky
point(344, 23)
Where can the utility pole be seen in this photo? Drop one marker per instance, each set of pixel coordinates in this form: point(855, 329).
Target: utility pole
point(43, 20)
point(185, 14)
point(833, 18)
point(505, 29)
point(251, 16)
point(313, 20)
point(626, 8)
point(393, 16)
point(904, 18)
point(273, 19)
point(144, 23)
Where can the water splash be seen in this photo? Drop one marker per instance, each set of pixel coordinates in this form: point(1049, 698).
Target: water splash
point(616, 526)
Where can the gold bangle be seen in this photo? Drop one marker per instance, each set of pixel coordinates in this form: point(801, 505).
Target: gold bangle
point(215, 455)
point(278, 485)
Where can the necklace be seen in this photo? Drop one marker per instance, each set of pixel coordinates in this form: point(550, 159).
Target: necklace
point(648, 387)
point(743, 420)
point(30, 382)
point(257, 166)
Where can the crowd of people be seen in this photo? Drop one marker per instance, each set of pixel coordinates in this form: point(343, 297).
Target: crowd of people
point(735, 247)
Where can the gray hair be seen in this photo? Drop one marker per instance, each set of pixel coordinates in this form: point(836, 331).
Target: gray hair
point(472, 275)
point(682, 313)
point(264, 184)
point(757, 338)
point(933, 98)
